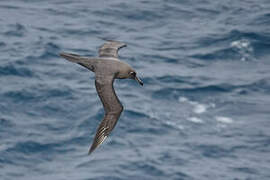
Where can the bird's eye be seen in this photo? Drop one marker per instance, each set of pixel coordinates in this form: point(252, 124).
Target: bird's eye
point(133, 73)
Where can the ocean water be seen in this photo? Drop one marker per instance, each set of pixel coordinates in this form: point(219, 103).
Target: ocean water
point(202, 114)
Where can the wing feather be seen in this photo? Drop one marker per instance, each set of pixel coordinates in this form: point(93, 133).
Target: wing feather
point(86, 62)
point(112, 107)
point(110, 49)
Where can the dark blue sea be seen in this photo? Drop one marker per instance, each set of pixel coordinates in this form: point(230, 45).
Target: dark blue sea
point(202, 114)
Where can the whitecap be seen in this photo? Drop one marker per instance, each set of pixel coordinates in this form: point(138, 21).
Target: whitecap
point(223, 119)
point(198, 108)
point(195, 120)
point(175, 125)
point(183, 99)
point(244, 48)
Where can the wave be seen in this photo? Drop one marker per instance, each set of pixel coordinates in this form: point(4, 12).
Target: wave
point(235, 45)
point(172, 93)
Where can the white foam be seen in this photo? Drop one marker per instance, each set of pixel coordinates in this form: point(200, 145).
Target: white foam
point(177, 126)
point(198, 108)
point(183, 99)
point(4, 147)
point(244, 48)
point(240, 44)
point(195, 120)
point(223, 119)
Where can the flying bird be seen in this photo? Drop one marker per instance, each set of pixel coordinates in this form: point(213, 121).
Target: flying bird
point(106, 67)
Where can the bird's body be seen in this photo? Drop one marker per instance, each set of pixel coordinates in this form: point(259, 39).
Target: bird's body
point(106, 67)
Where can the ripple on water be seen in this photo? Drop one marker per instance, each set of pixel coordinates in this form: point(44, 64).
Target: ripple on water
point(14, 70)
point(202, 113)
point(235, 45)
point(16, 30)
point(29, 147)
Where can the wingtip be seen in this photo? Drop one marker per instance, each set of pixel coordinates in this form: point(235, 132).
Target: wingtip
point(96, 145)
point(89, 153)
point(70, 57)
point(91, 150)
point(62, 54)
point(121, 44)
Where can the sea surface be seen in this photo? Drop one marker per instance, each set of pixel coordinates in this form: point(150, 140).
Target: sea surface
point(202, 114)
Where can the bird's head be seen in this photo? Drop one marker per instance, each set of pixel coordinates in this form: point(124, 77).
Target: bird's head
point(125, 71)
point(133, 75)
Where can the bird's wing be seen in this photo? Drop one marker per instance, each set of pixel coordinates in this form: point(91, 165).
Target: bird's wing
point(110, 49)
point(112, 107)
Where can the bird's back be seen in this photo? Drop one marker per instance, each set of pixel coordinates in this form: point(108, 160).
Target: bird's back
point(111, 66)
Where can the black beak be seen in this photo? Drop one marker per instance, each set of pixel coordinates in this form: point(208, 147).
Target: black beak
point(138, 80)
